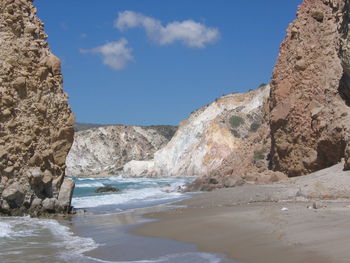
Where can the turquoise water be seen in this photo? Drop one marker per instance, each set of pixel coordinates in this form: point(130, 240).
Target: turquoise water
point(134, 192)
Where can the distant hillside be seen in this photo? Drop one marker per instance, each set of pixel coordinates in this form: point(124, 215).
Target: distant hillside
point(167, 131)
point(104, 149)
point(79, 126)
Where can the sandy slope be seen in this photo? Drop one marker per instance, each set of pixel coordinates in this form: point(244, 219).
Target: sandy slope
point(248, 225)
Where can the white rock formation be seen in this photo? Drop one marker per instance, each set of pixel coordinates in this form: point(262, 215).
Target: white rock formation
point(104, 151)
point(206, 138)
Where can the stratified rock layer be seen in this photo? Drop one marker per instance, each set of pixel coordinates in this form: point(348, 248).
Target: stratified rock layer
point(104, 150)
point(310, 114)
point(36, 129)
point(209, 136)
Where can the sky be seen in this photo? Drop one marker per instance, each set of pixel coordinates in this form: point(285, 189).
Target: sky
point(153, 62)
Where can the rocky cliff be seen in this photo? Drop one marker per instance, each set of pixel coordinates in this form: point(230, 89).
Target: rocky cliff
point(310, 95)
point(36, 129)
point(104, 150)
point(209, 136)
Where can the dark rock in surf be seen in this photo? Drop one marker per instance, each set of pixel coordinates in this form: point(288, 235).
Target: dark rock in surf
point(106, 189)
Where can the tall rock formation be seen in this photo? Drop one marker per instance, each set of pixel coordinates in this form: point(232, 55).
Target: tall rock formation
point(103, 151)
point(310, 91)
point(208, 137)
point(36, 129)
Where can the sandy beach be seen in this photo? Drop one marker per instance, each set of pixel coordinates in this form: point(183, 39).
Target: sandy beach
point(264, 223)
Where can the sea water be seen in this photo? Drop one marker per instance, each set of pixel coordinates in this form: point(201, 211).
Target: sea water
point(25, 239)
point(133, 192)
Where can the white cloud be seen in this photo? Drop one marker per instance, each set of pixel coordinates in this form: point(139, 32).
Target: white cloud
point(115, 54)
point(188, 32)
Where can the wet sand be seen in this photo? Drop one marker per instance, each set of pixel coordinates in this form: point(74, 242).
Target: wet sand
point(116, 244)
point(248, 225)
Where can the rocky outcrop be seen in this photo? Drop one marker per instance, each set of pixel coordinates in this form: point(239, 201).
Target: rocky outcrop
point(310, 90)
point(104, 150)
point(36, 129)
point(208, 137)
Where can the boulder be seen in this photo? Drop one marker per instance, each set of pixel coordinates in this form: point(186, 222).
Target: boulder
point(35, 175)
point(107, 188)
point(233, 181)
point(66, 193)
point(49, 204)
point(14, 195)
point(37, 202)
point(201, 184)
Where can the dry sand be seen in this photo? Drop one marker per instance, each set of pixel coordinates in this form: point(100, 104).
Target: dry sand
point(247, 223)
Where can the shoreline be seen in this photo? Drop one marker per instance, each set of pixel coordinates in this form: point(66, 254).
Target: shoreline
point(118, 244)
point(247, 224)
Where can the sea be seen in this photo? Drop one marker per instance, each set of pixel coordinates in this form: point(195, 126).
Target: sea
point(100, 231)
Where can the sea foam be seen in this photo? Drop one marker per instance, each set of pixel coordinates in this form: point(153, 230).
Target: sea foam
point(130, 196)
point(191, 257)
point(31, 233)
point(5, 230)
point(133, 191)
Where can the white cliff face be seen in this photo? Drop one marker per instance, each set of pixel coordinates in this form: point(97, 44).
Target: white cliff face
point(204, 140)
point(104, 151)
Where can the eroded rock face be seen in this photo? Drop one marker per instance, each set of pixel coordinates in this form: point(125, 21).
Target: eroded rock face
point(36, 129)
point(103, 151)
point(209, 136)
point(310, 114)
point(248, 163)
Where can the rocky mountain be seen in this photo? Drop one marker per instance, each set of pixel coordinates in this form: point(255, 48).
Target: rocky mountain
point(210, 136)
point(36, 123)
point(104, 150)
point(310, 95)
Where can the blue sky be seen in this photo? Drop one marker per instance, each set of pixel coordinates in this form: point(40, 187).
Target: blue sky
point(154, 62)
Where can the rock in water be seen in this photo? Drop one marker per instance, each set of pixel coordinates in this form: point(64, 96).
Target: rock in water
point(107, 188)
point(36, 123)
point(310, 90)
point(65, 195)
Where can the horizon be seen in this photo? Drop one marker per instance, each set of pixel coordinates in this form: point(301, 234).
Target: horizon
point(134, 63)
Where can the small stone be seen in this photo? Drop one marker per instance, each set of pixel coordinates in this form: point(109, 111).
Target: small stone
point(12, 124)
point(49, 204)
point(35, 175)
point(294, 30)
point(47, 177)
point(6, 112)
point(29, 29)
point(233, 182)
point(5, 206)
point(8, 170)
point(19, 83)
point(300, 65)
point(36, 203)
